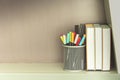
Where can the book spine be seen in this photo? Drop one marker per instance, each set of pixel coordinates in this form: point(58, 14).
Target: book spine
point(90, 48)
point(98, 47)
point(106, 48)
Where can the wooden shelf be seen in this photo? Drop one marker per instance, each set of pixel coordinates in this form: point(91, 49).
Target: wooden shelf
point(50, 71)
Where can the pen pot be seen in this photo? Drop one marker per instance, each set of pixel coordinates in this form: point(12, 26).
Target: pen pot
point(74, 57)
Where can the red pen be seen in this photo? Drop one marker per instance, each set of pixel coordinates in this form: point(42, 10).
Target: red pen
point(78, 41)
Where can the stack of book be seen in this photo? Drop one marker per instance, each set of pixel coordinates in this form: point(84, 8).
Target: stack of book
point(98, 41)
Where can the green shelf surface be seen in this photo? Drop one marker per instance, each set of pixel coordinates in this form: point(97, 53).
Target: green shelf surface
point(51, 71)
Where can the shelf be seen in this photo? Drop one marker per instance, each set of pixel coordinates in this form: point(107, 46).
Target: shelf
point(19, 42)
point(50, 71)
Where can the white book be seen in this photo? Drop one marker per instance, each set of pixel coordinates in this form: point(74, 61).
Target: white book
point(90, 47)
point(106, 47)
point(98, 46)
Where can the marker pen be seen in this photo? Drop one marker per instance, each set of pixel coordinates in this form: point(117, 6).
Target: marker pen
point(68, 38)
point(78, 41)
point(76, 38)
point(64, 38)
point(82, 40)
point(61, 37)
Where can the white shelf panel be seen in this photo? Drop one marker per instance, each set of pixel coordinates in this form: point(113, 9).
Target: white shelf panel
point(50, 71)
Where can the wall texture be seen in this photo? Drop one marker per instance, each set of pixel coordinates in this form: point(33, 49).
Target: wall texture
point(30, 29)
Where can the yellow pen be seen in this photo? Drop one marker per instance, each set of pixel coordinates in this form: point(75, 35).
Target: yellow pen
point(73, 37)
point(62, 39)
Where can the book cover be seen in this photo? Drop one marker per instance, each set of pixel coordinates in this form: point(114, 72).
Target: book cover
point(106, 47)
point(98, 46)
point(90, 46)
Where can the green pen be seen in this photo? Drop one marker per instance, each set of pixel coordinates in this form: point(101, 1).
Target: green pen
point(68, 38)
point(70, 33)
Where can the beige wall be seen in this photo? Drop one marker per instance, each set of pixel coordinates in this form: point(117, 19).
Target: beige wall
point(30, 29)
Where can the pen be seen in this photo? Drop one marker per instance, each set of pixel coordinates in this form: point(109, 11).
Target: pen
point(76, 38)
point(61, 37)
point(68, 38)
point(73, 37)
point(82, 40)
point(64, 39)
point(78, 41)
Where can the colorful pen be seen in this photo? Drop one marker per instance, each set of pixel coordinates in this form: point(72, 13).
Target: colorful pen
point(76, 38)
point(64, 38)
point(78, 41)
point(68, 38)
point(82, 40)
point(61, 37)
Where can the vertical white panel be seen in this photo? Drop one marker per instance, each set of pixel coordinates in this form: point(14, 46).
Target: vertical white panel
point(98, 47)
point(106, 48)
point(90, 49)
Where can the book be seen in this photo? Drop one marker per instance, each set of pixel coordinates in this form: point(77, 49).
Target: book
point(106, 47)
point(80, 29)
point(77, 29)
point(90, 46)
point(98, 46)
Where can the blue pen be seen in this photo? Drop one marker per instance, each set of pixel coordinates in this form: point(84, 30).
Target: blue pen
point(82, 40)
point(68, 38)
